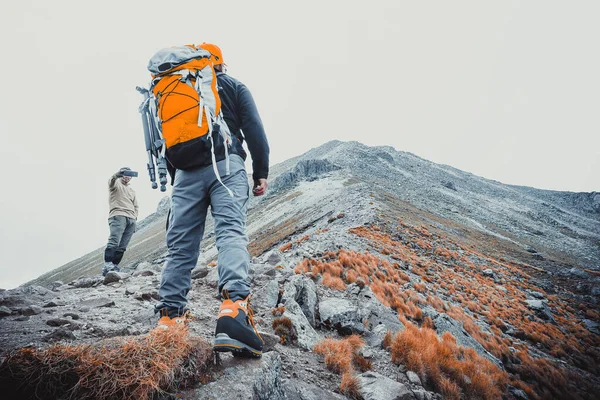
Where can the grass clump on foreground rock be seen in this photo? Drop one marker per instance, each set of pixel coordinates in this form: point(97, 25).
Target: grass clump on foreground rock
point(163, 361)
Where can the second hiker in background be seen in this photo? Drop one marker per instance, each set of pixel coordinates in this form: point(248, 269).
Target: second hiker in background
point(122, 217)
point(219, 180)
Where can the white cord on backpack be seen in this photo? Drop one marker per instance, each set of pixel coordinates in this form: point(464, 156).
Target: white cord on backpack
point(212, 151)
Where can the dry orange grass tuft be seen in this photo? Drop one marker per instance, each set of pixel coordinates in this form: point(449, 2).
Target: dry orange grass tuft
point(341, 356)
point(285, 247)
point(278, 311)
point(420, 287)
point(334, 282)
point(350, 386)
point(284, 328)
point(138, 367)
point(444, 365)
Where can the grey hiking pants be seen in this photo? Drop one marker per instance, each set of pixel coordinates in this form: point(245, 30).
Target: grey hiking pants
point(193, 191)
point(121, 230)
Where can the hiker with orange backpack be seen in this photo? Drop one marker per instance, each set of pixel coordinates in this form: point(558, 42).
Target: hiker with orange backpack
point(197, 118)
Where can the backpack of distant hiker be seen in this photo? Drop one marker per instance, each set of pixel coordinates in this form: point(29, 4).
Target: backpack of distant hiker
point(181, 112)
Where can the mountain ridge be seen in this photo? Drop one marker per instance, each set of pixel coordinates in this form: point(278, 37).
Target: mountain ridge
point(359, 240)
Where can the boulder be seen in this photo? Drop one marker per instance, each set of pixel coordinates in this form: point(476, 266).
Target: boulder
point(87, 282)
point(374, 386)
point(266, 297)
point(97, 302)
point(295, 389)
point(303, 291)
point(258, 379)
point(307, 337)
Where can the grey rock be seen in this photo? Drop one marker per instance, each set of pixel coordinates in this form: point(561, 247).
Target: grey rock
point(147, 317)
point(84, 309)
point(146, 294)
point(97, 302)
point(592, 326)
point(537, 295)
point(535, 304)
point(144, 272)
point(353, 288)
point(541, 309)
point(145, 268)
point(374, 386)
point(366, 352)
point(444, 323)
point(429, 311)
point(518, 393)
point(274, 258)
point(5, 311)
point(283, 273)
point(421, 394)
point(578, 273)
point(31, 310)
point(36, 290)
point(87, 282)
point(14, 300)
point(340, 314)
point(450, 185)
point(57, 322)
point(307, 337)
point(54, 303)
point(255, 270)
point(114, 276)
point(56, 285)
point(502, 289)
point(595, 291)
point(212, 278)
point(375, 313)
point(270, 341)
point(144, 265)
point(258, 379)
point(413, 378)
point(61, 333)
point(488, 272)
point(303, 291)
point(266, 298)
point(295, 389)
point(375, 338)
point(200, 272)
point(71, 315)
point(129, 290)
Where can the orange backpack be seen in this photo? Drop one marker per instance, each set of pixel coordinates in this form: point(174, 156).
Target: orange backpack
point(181, 112)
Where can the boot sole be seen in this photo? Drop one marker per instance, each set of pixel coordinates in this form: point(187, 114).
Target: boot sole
point(223, 343)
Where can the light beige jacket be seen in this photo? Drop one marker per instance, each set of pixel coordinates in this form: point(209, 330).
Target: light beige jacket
point(121, 199)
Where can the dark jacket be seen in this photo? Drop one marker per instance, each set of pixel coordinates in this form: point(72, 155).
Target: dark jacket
point(241, 115)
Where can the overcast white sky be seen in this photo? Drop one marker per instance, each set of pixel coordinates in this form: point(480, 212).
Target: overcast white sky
point(508, 90)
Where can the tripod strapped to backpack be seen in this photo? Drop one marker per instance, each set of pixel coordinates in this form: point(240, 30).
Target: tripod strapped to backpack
point(155, 143)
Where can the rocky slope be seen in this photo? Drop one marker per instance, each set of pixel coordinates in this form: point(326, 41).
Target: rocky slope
point(368, 241)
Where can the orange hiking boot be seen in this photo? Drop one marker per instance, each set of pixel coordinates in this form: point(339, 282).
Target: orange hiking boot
point(235, 329)
point(176, 322)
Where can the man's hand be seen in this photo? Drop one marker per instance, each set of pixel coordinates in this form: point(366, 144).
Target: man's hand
point(260, 187)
